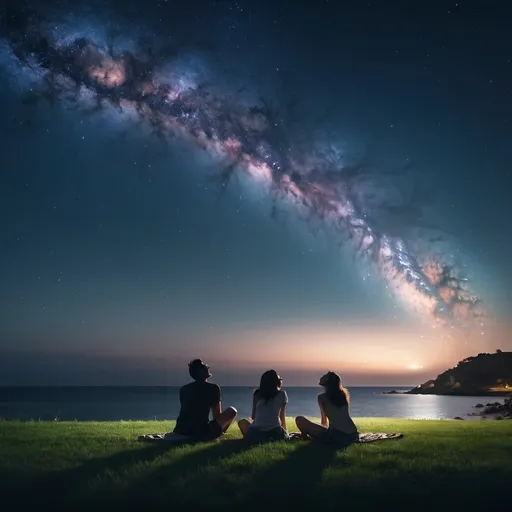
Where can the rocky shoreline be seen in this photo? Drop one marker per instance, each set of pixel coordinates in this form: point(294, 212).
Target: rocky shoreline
point(492, 411)
point(497, 410)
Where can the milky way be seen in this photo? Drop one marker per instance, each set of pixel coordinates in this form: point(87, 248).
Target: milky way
point(247, 139)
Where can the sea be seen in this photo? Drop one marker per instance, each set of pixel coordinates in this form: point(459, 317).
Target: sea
point(162, 403)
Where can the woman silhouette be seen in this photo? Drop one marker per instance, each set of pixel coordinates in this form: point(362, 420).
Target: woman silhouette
point(337, 427)
point(267, 422)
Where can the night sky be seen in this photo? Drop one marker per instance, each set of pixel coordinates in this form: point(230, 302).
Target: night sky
point(123, 256)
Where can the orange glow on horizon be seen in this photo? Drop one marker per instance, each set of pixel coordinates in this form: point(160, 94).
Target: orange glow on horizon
point(362, 354)
point(403, 350)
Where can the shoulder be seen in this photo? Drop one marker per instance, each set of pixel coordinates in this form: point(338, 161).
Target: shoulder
point(210, 392)
point(214, 388)
point(321, 398)
point(283, 395)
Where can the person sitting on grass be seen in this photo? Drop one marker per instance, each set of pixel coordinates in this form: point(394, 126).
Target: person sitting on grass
point(268, 420)
point(336, 428)
point(197, 400)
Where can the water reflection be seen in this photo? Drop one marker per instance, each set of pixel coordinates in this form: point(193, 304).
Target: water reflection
point(431, 407)
point(147, 403)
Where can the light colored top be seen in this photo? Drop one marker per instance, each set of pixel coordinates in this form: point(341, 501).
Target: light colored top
point(339, 417)
point(266, 415)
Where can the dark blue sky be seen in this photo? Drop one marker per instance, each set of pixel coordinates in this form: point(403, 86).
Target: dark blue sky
point(121, 259)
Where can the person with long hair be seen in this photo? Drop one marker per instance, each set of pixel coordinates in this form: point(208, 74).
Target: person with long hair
point(268, 419)
point(336, 427)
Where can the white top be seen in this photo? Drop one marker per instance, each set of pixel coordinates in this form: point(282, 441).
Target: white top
point(339, 417)
point(267, 413)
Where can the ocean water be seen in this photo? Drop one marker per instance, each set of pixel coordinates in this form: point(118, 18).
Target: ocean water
point(161, 403)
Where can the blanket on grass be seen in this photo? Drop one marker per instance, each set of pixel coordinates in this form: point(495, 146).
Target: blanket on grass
point(170, 437)
point(367, 437)
point(370, 437)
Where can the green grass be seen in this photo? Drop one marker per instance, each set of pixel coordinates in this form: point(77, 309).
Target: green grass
point(97, 466)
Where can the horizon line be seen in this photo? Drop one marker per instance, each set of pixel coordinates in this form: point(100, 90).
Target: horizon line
point(180, 385)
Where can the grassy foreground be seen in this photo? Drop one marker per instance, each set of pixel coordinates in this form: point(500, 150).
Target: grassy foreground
point(439, 464)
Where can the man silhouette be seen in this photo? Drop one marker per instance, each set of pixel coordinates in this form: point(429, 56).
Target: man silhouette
point(197, 399)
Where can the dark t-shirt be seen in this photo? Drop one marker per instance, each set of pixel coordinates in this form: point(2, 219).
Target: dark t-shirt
point(197, 398)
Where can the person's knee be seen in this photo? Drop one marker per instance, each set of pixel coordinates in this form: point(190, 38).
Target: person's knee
point(231, 413)
point(299, 421)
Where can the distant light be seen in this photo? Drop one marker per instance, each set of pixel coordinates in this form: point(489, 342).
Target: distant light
point(415, 367)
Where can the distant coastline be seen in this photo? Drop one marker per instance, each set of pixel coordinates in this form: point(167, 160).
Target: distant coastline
point(484, 375)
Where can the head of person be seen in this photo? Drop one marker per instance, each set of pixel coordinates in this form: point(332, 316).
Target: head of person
point(270, 384)
point(334, 390)
point(199, 370)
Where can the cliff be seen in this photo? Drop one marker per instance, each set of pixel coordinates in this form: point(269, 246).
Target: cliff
point(484, 374)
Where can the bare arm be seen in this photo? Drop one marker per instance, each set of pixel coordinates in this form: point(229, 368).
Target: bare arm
point(323, 417)
point(216, 410)
point(282, 416)
point(216, 403)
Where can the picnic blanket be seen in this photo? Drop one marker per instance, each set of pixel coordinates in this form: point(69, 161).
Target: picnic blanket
point(170, 437)
point(367, 437)
point(370, 437)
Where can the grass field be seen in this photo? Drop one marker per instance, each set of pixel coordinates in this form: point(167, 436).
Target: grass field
point(101, 466)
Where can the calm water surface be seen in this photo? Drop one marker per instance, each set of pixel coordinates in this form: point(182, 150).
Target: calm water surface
point(147, 403)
